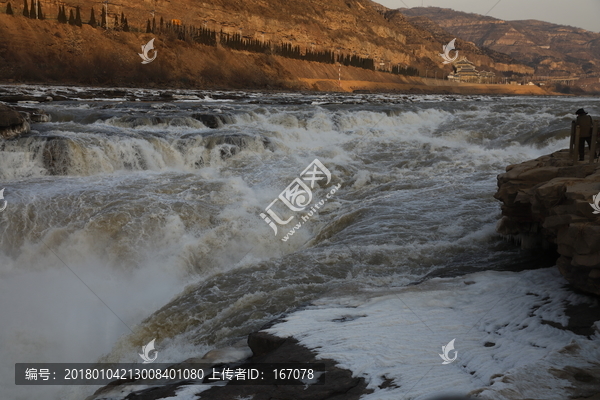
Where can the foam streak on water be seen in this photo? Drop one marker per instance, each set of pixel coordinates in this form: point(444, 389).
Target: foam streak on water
point(159, 213)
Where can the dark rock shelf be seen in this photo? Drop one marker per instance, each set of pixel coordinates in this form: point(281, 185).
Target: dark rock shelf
point(337, 383)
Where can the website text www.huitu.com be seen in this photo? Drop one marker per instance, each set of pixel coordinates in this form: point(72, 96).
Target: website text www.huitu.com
point(297, 197)
point(306, 217)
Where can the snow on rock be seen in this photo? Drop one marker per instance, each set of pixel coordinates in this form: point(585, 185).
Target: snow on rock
point(511, 331)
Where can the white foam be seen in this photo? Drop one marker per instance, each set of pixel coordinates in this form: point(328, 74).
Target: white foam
point(190, 392)
point(398, 336)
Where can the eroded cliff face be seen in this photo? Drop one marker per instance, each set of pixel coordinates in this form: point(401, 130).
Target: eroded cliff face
point(484, 58)
point(549, 48)
point(547, 202)
point(359, 27)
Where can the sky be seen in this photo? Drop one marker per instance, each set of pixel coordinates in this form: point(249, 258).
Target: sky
point(580, 13)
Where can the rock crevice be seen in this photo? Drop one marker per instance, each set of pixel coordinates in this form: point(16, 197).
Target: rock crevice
point(547, 202)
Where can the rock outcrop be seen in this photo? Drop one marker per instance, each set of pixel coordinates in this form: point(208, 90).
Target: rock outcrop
point(547, 202)
point(33, 115)
point(336, 383)
point(549, 48)
point(62, 155)
point(12, 123)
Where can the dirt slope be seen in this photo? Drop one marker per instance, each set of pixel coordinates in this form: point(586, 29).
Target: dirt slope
point(49, 52)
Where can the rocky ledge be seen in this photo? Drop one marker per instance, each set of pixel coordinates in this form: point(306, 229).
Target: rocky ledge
point(16, 121)
point(12, 123)
point(546, 202)
point(336, 384)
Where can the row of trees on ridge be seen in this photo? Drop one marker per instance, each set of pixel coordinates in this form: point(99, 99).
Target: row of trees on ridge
point(210, 37)
point(35, 12)
point(236, 41)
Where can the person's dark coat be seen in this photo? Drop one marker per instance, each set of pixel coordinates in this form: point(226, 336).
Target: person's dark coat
point(584, 121)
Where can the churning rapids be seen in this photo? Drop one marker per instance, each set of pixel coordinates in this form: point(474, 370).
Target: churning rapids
point(152, 208)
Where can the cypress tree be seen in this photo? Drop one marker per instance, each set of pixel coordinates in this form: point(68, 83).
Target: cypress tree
point(116, 24)
point(153, 25)
point(40, 13)
point(78, 17)
point(32, 10)
point(126, 26)
point(25, 9)
point(9, 10)
point(103, 18)
point(148, 27)
point(71, 17)
point(161, 24)
point(92, 22)
point(63, 15)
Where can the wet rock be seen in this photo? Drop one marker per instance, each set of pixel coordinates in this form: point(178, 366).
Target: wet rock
point(214, 121)
point(210, 120)
point(21, 98)
point(136, 121)
point(43, 117)
point(93, 94)
point(546, 202)
point(338, 383)
point(12, 123)
point(57, 155)
point(33, 114)
point(15, 98)
point(59, 97)
point(229, 144)
point(262, 343)
point(55, 152)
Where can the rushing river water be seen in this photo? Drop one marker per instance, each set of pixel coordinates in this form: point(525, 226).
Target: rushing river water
point(130, 220)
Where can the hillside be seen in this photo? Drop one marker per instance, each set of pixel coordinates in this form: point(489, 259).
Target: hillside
point(46, 51)
point(549, 48)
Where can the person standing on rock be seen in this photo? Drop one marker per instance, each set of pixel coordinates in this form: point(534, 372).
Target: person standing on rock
point(584, 121)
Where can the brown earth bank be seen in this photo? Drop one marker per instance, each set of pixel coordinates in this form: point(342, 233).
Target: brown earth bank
point(547, 202)
point(354, 27)
point(34, 51)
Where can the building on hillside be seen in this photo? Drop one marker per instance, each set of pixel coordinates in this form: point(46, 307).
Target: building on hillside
point(465, 71)
point(487, 77)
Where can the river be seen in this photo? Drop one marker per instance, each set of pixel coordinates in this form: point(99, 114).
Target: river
point(122, 205)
